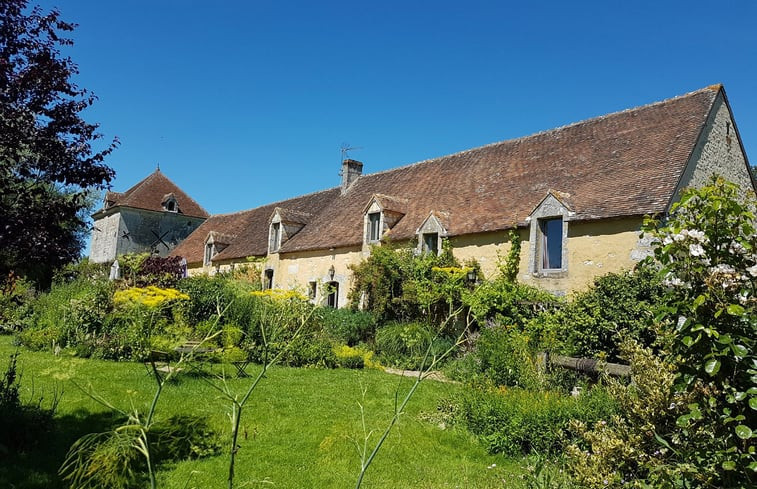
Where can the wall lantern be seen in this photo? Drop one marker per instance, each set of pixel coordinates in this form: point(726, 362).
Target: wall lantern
point(331, 272)
point(472, 276)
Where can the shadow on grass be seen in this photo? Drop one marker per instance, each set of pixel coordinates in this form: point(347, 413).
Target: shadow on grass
point(37, 467)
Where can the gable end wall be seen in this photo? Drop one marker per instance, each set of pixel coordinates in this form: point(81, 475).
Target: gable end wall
point(718, 152)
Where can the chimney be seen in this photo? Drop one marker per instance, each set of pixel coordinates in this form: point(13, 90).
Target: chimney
point(351, 170)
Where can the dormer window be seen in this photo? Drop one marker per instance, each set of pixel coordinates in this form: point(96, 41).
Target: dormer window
point(549, 236)
point(550, 243)
point(275, 237)
point(380, 215)
point(430, 243)
point(430, 231)
point(285, 223)
point(209, 252)
point(170, 204)
point(374, 227)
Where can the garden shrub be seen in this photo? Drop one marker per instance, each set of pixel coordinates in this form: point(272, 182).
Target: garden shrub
point(501, 301)
point(347, 326)
point(70, 313)
point(16, 296)
point(395, 284)
point(504, 356)
point(690, 417)
point(624, 448)
point(404, 345)
point(707, 252)
point(160, 271)
point(349, 357)
point(515, 421)
point(206, 296)
point(616, 306)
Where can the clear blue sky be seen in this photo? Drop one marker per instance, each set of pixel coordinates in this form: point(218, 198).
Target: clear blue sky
point(247, 102)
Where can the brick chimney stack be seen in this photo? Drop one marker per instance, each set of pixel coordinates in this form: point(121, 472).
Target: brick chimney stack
point(351, 170)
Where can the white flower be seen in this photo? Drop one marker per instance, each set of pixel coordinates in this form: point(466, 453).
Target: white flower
point(752, 270)
point(681, 321)
point(695, 249)
point(678, 237)
point(672, 282)
point(736, 248)
point(697, 235)
point(722, 268)
point(666, 240)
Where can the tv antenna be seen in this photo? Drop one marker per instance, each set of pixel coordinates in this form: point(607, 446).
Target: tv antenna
point(346, 148)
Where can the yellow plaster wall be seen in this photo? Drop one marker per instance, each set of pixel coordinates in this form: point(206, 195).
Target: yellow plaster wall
point(593, 249)
point(295, 270)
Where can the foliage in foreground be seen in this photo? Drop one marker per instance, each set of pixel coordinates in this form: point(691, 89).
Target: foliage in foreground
point(517, 421)
point(690, 418)
point(23, 425)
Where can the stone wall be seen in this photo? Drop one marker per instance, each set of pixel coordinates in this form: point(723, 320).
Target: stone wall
point(129, 230)
point(717, 152)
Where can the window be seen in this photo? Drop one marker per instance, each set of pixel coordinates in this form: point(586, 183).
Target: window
point(374, 226)
point(333, 298)
point(431, 243)
point(275, 236)
point(171, 206)
point(312, 288)
point(550, 252)
point(268, 279)
point(208, 253)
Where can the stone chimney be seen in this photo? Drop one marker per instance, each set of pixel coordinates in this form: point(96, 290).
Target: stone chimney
point(351, 170)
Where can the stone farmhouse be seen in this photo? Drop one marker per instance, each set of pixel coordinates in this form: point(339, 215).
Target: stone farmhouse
point(153, 216)
point(576, 195)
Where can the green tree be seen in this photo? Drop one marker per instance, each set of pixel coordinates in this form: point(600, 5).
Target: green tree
point(48, 166)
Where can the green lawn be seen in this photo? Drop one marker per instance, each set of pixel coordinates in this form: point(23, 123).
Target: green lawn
point(300, 425)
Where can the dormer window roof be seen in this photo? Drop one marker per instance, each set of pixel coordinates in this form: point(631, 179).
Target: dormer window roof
point(431, 232)
point(380, 215)
point(285, 223)
point(170, 203)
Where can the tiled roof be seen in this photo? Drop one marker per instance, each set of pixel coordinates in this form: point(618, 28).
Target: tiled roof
point(152, 192)
point(250, 227)
point(622, 164)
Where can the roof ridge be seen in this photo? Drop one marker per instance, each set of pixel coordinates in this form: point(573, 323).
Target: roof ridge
point(714, 87)
point(127, 193)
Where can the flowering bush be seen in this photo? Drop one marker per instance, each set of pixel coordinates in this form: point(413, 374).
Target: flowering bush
point(349, 357)
point(708, 257)
point(148, 296)
point(689, 418)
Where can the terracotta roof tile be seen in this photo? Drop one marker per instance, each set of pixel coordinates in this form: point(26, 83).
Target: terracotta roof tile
point(152, 192)
point(249, 227)
point(622, 164)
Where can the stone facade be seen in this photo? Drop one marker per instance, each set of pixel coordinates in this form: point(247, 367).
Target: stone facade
point(718, 152)
point(127, 230)
point(153, 216)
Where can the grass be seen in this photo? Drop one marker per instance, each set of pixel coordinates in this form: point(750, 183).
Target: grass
point(298, 430)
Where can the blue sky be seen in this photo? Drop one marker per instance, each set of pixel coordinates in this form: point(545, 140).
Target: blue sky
point(248, 102)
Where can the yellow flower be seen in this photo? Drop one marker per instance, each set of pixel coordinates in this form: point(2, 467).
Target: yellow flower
point(148, 296)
